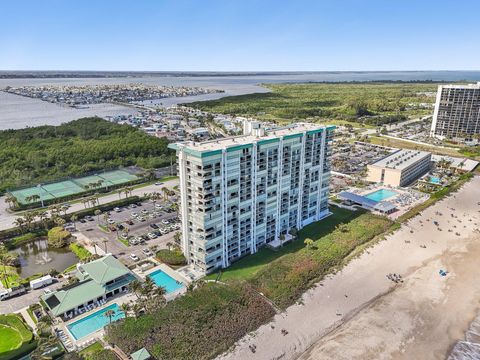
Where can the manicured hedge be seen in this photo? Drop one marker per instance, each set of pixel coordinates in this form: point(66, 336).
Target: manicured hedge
point(171, 257)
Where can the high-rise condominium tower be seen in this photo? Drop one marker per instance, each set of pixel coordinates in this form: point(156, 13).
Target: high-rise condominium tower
point(241, 193)
point(457, 112)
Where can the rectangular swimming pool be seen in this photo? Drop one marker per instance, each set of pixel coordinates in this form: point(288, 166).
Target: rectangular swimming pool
point(167, 282)
point(94, 322)
point(381, 194)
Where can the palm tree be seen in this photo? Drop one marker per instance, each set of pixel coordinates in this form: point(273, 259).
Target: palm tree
point(165, 193)
point(95, 243)
point(136, 286)
point(11, 200)
point(119, 191)
point(98, 213)
point(74, 218)
point(169, 245)
point(105, 241)
point(109, 313)
point(5, 260)
point(20, 223)
point(177, 237)
point(126, 307)
point(105, 218)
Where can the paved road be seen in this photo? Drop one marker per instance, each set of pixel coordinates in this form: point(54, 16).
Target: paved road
point(7, 219)
point(19, 302)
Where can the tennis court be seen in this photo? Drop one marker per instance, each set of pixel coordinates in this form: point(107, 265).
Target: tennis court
point(63, 188)
point(118, 177)
point(22, 195)
point(72, 187)
point(87, 180)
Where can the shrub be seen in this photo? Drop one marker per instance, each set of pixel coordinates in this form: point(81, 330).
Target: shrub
point(171, 257)
point(199, 325)
point(58, 237)
point(80, 251)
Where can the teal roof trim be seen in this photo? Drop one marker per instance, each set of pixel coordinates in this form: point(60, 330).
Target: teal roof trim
point(239, 147)
point(310, 132)
point(269, 141)
point(331, 127)
point(293, 136)
point(173, 146)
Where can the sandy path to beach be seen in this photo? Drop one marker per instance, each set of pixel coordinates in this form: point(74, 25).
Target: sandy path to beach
point(359, 314)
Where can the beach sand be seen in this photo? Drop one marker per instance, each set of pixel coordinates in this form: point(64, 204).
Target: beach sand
point(358, 313)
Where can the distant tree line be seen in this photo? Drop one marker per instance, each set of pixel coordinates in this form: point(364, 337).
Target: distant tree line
point(32, 155)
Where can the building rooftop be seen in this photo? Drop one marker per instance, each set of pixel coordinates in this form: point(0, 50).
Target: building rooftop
point(93, 278)
point(401, 159)
point(141, 354)
point(462, 86)
point(225, 143)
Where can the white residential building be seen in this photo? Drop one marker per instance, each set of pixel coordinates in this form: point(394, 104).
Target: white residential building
point(457, 112)
point(241, 193)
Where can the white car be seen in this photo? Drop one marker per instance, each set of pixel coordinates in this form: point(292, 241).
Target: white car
point(141, 218)
point(158, 206)
point(134, 214)
point(144, 212)
point(152, 236)
point(165, 221)
point(117, 209)
point(134, 257)
point(111, 222)
point(147, 252)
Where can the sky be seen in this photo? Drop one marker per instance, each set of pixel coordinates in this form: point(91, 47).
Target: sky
point(239, 35)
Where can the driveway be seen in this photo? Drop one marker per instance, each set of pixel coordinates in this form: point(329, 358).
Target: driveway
point(93, 234)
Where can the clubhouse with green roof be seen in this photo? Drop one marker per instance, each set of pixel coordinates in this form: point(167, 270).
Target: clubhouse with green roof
point(98, 282)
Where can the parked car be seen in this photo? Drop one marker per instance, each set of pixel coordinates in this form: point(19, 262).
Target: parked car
point(83, 221)
point(152, 236)
point(165, 221)
point(124, 235)
point(117, 209)
point(144, 211)
point(159, 183)
point(134, 257)
point(89, 218)
point(147, 252)
point(154, 226)
point(141, 218)
point(111, 221)
point(132, 206)
point(134, 241)
point(129, 222)
point(134, 214)
point(158, 206)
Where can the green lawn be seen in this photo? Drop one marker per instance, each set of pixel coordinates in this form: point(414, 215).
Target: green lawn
point(247, 267)
point(97, 352)
point(15, 337)
point(80, 251)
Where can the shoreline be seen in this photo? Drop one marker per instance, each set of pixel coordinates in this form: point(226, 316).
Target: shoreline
point(345, 308)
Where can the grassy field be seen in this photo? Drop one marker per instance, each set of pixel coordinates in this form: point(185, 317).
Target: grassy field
point(16, 338)
point(247, 267)
point(315, 101)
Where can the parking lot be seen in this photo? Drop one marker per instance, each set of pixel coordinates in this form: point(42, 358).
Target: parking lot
point(141, 226)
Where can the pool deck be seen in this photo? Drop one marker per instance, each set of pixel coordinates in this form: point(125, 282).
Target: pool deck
point(96, 335)
point(173, 274)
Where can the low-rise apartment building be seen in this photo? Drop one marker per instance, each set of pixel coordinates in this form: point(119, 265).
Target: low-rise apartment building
point(400, 168)
point(241, 193)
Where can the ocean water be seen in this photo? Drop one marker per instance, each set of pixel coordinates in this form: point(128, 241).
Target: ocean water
point(468, 349)
point(19, 112)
